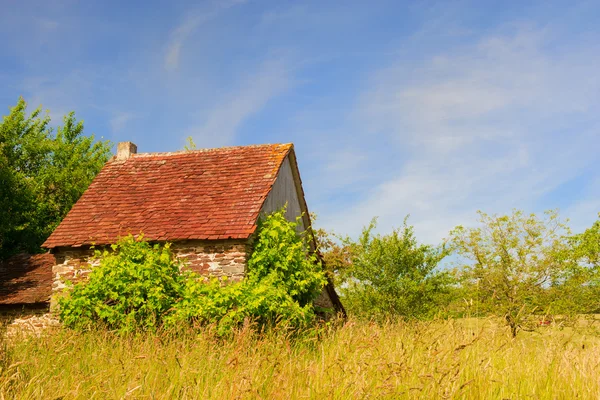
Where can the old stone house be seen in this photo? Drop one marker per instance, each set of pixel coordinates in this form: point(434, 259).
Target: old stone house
point(205, 202)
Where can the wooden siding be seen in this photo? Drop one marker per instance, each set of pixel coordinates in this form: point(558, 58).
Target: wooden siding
point(284, 191)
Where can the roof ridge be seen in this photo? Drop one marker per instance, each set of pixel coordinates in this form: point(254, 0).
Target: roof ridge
point(208, 150)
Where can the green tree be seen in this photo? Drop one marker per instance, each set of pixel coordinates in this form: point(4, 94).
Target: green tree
point(514, 266)
point(335, 253)
point(282, 255)
point(42, 175)
point(189, 144)
point(393, 275)
point(586, 246)
point(580, 292)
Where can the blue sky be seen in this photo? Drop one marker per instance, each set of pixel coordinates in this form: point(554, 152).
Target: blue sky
point(433, 109)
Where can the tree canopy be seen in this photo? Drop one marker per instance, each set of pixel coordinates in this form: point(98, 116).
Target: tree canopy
point(42, 174)
point(516, 265)
point(391, 275)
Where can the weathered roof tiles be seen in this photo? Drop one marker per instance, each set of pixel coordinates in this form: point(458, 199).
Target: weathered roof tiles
point(26, 279)
point(200, 194)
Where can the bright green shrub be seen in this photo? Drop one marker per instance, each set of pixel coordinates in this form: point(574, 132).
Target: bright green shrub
point(281, 256)
point(229, 305)
point(394, 275)
point(134, 287)
point(282, 281)
point(140, 286)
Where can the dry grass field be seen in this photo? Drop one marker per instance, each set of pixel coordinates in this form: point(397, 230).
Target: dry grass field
point(465, 359)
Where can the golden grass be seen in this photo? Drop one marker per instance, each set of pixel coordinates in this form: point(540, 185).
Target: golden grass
point(466, 359)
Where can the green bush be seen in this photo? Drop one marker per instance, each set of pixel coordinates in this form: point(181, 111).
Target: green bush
point(140, 286)
point(282, 281)
point(393, 276)
point(134, 287)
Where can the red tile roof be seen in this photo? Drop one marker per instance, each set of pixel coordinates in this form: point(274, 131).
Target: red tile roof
point(201, 194)
point(26, 279)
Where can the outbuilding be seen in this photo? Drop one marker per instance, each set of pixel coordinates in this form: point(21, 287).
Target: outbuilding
point(206, 203)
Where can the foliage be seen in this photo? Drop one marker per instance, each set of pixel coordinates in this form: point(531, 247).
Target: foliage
point(580, 292)
point(42, 175)
point(134, 287)
point(283, 256)
point(393, 275)
point(515, 265)
point(189, 144)
point(335, 253)
point(586, 246)
point(282, 280)
point(139, 287)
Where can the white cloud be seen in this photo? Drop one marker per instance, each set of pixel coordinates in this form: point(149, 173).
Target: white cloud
point(188, 26)
point(59, 96)
point(119, 120)
point(492, 126)
point(219, 124)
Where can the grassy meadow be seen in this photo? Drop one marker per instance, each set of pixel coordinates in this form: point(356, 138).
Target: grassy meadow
point(466, 359)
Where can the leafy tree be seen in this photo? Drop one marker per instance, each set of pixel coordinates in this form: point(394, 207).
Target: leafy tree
point(587, 246)
point(393, 275)
point(189, 144)
point(514, 265)
point(335, 253)
point(580, 292)
point(23, 144)
point(283, 256)
point(41, 175)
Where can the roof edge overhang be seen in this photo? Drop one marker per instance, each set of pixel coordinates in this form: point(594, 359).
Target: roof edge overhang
point(86, 245)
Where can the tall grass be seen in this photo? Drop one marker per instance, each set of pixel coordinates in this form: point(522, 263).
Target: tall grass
point(470, 359)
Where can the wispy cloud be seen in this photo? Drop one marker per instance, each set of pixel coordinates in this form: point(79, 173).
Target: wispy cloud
point(491, 126)
point(219, 124)
point(70, 92)
point(119, 121)
point(188, 26)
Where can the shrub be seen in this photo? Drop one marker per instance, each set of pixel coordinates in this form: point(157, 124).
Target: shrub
point(394, 276)
point(134, 287)
point(141, 286)
point(282, 280)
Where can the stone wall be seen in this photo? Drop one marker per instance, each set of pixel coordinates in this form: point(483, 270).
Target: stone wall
point(72, 265)
point(31, 325)
point(214, 258)
point(210, 258)
point(10, 313)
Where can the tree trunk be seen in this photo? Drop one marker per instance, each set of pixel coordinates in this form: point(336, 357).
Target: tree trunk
point(512, 324)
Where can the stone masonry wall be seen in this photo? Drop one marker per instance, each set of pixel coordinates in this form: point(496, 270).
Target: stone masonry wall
point(71, 265)
point(210, 258)
point(214, 258)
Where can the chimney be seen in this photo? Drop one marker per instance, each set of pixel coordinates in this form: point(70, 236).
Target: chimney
point(125, 150)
